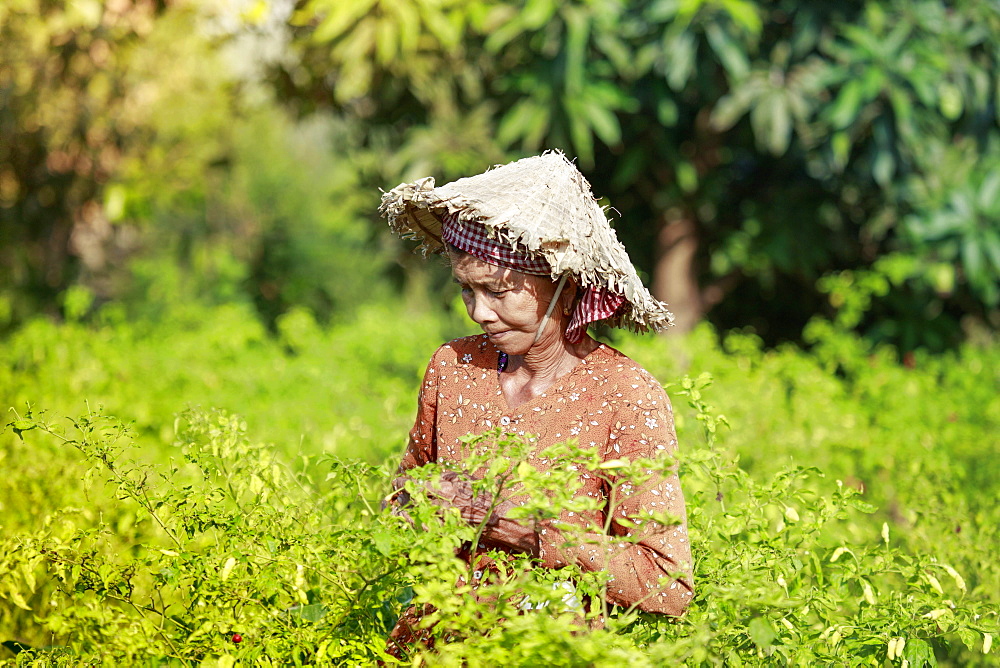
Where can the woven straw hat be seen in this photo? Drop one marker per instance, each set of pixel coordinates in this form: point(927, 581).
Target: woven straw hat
point(544, 204)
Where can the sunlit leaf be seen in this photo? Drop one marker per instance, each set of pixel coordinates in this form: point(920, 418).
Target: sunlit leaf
point(339, 18)
point(761, 632)
point(729, 109)
point(385, 41)
point(847, 105)
point(537, 13)
point(730, 53)
point(988, 197)
point(772, 122)
point(604, 123)
point(745, 14)
point(681, 47)
point(883, 167)
point(951, 102)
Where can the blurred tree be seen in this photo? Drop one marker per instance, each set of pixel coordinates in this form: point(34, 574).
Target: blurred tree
point(751, 147)
point(309, 248)
point(62, 125)
point(94, 129)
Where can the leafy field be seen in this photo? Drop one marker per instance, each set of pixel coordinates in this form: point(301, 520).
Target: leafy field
point(842, 513)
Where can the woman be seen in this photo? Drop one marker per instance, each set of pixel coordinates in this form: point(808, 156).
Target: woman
point(537, 262)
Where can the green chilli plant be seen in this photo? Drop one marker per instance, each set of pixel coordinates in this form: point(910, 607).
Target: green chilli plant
point(500, 604)
point(225, 553)
point(789, 572)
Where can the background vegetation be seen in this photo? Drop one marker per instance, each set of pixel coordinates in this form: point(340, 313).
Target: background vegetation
point(187, 223)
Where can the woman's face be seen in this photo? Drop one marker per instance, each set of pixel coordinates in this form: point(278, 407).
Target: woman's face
point(507, 304)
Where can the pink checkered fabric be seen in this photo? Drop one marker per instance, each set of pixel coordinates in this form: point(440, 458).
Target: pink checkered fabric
point(474, 239)
point(596, 303)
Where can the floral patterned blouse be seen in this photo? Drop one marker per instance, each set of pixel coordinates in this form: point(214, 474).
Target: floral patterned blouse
point(608, 402)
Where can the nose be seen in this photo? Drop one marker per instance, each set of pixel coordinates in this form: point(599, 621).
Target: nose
point(479, 310)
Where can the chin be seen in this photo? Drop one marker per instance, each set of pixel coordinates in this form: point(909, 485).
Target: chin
point(512, 343)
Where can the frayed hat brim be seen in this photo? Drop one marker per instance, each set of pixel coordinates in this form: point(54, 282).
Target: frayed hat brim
point(544, 204)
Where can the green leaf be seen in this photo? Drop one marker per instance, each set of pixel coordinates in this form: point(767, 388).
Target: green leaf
point(575, 51)
point(503, 35)
point(871, 84)
point(385, 41)
point(969, 637)
point(847, 105)
point(313, 612)
point(772, 123)
point(990, 245)
point(604, 122)
point(950, 101)
point(761, 632)
point(745, 15)
point(340, 20)
point(383, 542)
point(972, 260)
point(667, 112)
point(521, 121)
point(19, 426)
point(582, 138)
point(863, 506)
point(537, 13)
point(840, 146)
point(919, 653)
point(989, 192)
point(679, 67)
point(687, 176)
point(730, 52)
point(883, 167)
point(16, 647)
point(730, 108)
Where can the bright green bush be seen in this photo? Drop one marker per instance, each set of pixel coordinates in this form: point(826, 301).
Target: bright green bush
point(166, 564)
point(302, 385)
point(849, 504)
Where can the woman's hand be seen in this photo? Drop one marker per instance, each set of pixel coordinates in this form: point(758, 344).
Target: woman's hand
point(450, 490)
point(454, 490)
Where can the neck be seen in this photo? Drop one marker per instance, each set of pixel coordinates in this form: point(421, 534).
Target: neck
point(551, 357)
point(532, 373)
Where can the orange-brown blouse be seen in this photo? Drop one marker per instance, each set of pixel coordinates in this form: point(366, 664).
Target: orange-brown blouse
point(607, 402)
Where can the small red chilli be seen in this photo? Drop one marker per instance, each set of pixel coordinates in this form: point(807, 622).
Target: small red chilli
point(237, 638)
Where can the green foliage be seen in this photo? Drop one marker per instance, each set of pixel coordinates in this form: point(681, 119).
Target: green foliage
point(303, 384)
point(92, 130)
point(794, 139)
point(834, 519)
point(292, 207)
point(954, 226)
point(226, 539)
point(788, 141)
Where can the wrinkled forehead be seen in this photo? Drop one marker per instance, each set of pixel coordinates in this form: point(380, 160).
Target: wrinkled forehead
point(471, 270)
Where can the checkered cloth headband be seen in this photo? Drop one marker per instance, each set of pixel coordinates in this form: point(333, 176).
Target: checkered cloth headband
point(474, 239)
point(596, 303)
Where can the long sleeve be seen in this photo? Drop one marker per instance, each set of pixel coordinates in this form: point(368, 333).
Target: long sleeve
point(608, 403)
point(422, 446)
point(643, 428)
